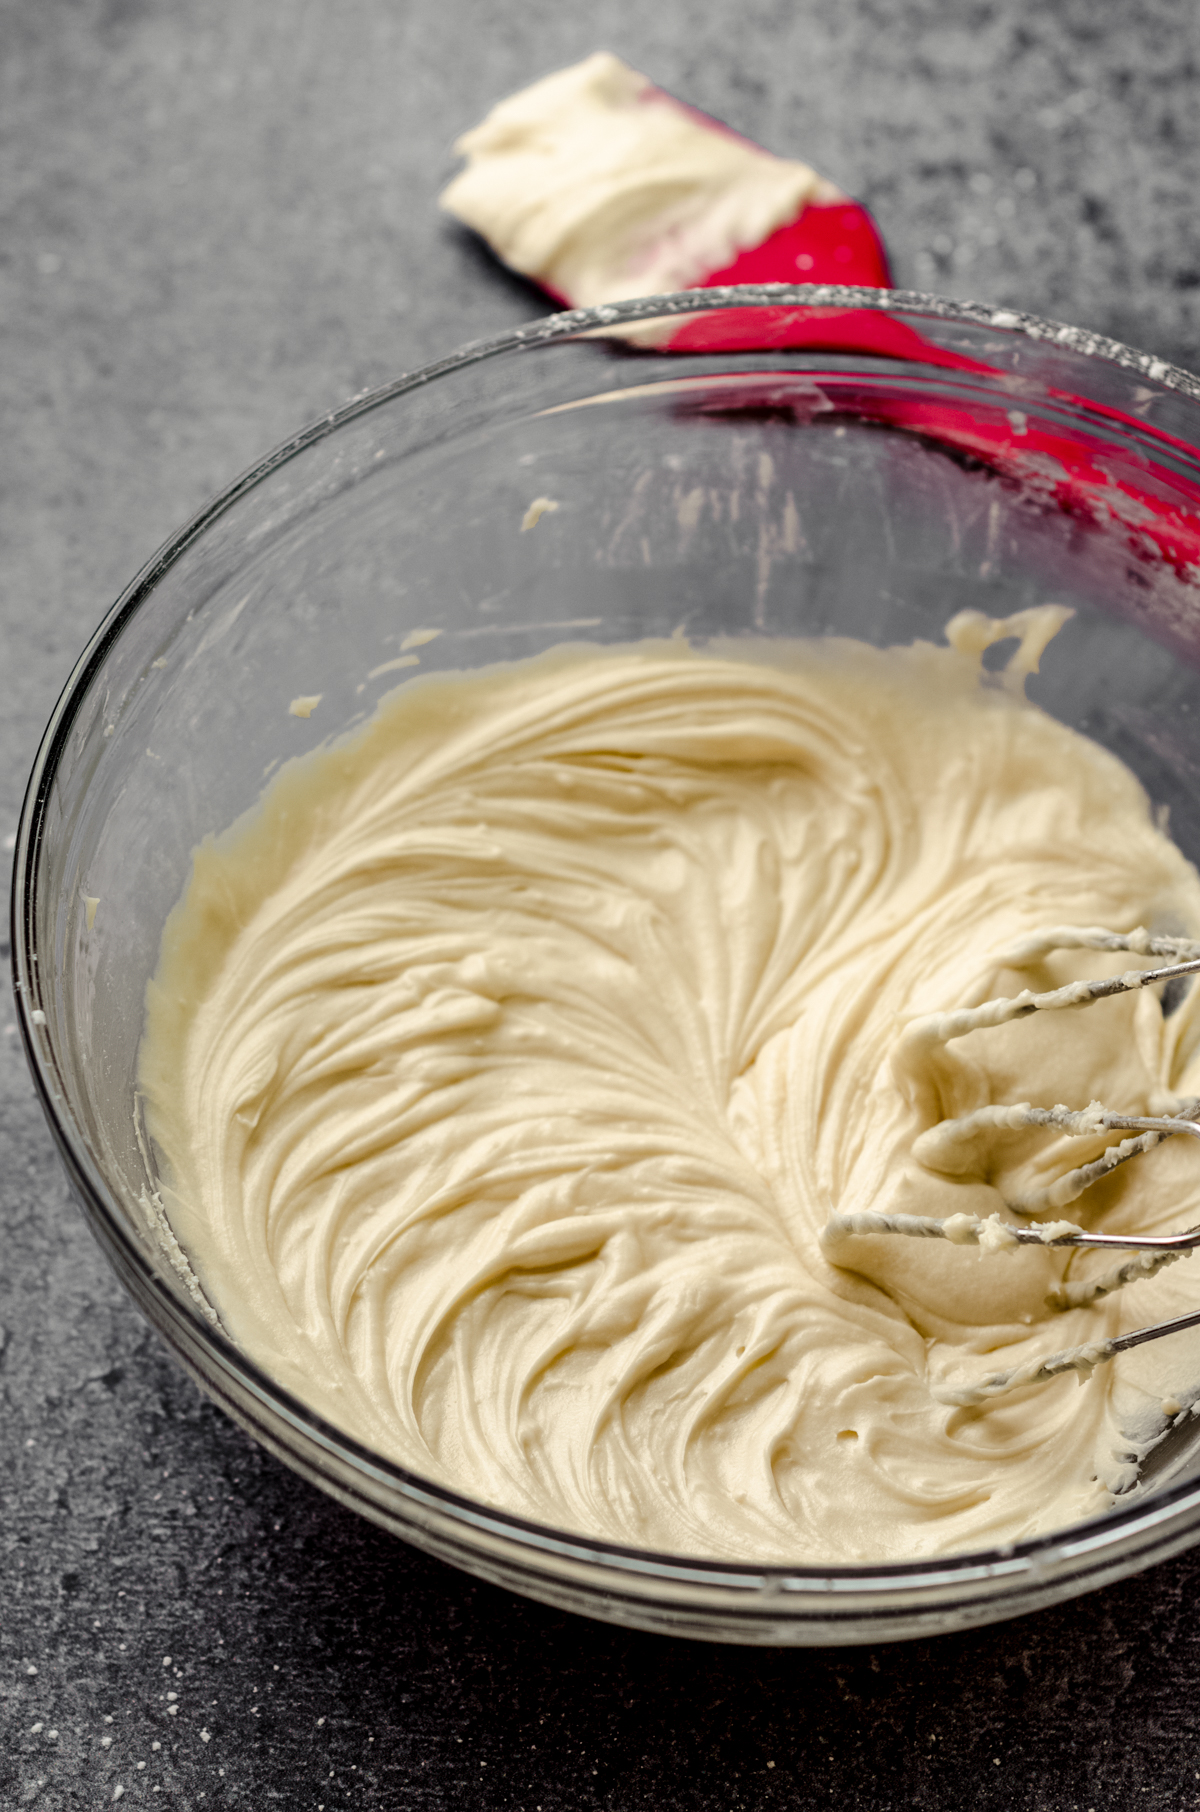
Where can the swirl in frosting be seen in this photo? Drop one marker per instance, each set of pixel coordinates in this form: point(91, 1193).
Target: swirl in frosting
point(507, 1061)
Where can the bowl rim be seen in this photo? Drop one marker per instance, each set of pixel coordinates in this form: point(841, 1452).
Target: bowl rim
point(1017, 1562)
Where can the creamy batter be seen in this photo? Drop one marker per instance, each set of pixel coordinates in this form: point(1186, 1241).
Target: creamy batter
point(507, 1062)
point(601, 187)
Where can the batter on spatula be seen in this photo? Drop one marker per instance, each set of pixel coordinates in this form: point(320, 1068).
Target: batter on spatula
point(506, 1062)
point(600, 186)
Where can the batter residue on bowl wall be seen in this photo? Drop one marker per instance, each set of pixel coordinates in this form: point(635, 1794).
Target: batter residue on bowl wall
point(508, 1060)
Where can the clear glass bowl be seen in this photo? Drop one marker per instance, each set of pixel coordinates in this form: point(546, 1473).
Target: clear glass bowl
point(875, 463)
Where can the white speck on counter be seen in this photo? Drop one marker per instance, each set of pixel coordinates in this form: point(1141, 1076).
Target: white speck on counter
point(541, 506)
point(305, 705)
point(206, 1736)
point(39, 1019)
point(30, 1668)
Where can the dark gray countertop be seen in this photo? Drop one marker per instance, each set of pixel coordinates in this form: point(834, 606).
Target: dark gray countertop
point(216, 221)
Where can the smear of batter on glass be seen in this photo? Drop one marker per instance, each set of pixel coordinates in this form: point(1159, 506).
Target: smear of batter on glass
point(507, 1060)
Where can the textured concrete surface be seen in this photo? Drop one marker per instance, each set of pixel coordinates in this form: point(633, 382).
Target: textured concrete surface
point(217, 220)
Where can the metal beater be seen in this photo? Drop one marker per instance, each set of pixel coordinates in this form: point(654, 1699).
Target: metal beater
point(936, 1148)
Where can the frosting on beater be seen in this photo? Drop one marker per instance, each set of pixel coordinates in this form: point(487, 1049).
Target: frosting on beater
point(506, 1062)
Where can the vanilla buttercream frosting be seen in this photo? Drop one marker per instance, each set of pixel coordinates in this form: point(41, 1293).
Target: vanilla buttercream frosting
point(600, 186)
point(506, 1062)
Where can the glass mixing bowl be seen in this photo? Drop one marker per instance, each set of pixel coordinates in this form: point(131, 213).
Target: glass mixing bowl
point(816, 460)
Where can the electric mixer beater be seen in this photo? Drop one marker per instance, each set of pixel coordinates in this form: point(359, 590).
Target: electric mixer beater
point(941, 1149)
